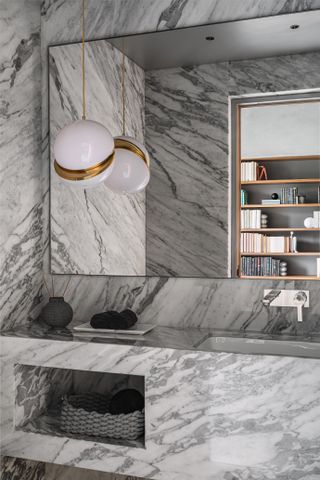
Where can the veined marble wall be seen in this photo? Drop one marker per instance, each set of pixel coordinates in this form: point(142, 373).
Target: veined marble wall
point(187, 198)
point(193, 302)
point(96, 231)
point(187, 136)
point(206, 301)
point(201, 302)
point(21, 253)
point(22, 248)
point(20, 139)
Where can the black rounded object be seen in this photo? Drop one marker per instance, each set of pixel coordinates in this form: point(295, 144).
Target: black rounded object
point(126, 401)
point(130, 315)
point(57, 313)
point(274, 196)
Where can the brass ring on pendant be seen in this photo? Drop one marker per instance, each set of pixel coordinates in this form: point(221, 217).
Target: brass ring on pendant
point(85, 174)
point(126, 145)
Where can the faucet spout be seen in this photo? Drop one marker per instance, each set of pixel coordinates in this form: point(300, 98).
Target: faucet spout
point(270, 297)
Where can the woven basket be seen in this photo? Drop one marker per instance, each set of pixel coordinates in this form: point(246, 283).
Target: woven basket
point(88, 415)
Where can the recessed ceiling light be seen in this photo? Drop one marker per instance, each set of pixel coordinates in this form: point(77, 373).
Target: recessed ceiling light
point(294, 26)
point(210, 38)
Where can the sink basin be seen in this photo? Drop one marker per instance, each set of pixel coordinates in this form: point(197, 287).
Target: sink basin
point(291, 348)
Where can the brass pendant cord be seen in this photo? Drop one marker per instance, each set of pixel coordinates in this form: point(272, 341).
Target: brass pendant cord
point(83, 62)
point(123, 72)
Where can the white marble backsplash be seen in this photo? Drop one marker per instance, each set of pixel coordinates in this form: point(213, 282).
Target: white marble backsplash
point(190, 302)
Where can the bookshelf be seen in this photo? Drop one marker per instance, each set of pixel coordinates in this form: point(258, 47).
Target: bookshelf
point(301, 205)
point(289, 176)
point(280, 182)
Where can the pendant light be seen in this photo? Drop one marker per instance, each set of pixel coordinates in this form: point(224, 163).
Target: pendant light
point(84, 149)
point(131, 171)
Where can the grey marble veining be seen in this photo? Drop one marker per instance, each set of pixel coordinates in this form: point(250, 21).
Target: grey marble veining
point(302, 345)
point(60, 17)
point(188, 302)
point(20, 143)
point(38, 388)
point(202, 420)
point(187, 199)
point(187, 135)
point(58, 472)
point(245, 311)
point(19, 469)
point(96, 231)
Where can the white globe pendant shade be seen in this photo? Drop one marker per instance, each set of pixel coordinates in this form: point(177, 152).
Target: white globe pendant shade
point(131, 172)
point(84, 153)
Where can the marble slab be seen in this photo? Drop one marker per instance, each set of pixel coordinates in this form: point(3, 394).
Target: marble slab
point(193, 302)
point(96, 231)
point(208, 415)
point(20, 469)
point(20, 139)
point(58, 472)
point(160, 337)
point(60, 18)
point(187, 199)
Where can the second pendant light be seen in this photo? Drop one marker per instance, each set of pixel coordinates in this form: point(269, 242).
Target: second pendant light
point(131, 166)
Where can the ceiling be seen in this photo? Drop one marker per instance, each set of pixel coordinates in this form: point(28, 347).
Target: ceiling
point(237, 40)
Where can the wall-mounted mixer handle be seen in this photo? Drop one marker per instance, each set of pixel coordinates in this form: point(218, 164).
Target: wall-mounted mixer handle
point(300, 300)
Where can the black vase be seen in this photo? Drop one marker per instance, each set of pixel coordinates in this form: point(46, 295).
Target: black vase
point(57, 313)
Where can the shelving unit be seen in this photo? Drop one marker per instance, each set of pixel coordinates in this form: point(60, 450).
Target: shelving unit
point(277, 254)
point(284, 205)
point(282, 218)
point(287, 229)
point(284, 181)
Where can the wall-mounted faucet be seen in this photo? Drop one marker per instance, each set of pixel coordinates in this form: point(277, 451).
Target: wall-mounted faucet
point(287, 298)
point(270, 297)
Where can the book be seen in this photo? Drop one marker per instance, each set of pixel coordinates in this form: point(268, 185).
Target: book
point(249, 171)
point(270, 201)
point(258, 243)
point(250, 219)
point(260, 266)
point(289, 195)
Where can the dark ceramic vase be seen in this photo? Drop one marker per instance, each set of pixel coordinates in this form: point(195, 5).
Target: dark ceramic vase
point(57, 313)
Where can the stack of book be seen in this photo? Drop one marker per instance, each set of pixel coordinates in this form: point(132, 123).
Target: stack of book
point(250, 218)
point(249, 171)
point(258, 243)
point(260, 267)
point(289, 195)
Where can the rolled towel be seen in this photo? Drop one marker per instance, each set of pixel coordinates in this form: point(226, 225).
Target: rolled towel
point(114, 320)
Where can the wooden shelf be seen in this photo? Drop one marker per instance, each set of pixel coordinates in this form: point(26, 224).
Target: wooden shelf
point(281, 158)
point(280, 254)
point(280, 182)
point(282, 205)
point(286, 229)
point(286, 277)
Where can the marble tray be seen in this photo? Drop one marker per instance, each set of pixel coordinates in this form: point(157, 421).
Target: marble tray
point(137, 329)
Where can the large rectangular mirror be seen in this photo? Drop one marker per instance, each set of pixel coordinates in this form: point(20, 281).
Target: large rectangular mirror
point(179, 87)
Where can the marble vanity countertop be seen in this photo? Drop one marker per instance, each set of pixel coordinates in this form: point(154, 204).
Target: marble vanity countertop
point(159, 337)
point(209, 415)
